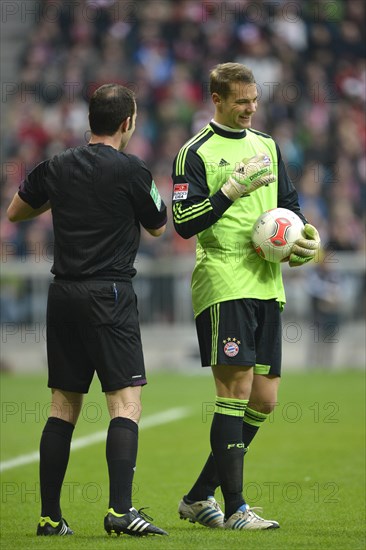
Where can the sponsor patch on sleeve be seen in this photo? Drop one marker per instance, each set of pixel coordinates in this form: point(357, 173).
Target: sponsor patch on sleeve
point(155, 195)
point(180, 191)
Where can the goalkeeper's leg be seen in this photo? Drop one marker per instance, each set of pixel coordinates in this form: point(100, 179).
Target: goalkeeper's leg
point(262, 401)
point(233, 387)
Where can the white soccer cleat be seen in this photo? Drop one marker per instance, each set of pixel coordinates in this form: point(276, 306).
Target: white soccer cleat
point(245, 518)
point(206, 512)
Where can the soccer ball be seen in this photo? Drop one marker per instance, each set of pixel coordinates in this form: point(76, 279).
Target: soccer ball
point(274, 233)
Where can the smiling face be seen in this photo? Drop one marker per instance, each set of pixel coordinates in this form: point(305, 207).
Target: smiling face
point(237, 108)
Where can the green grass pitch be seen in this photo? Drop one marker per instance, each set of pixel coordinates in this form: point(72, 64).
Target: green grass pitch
point(305, 468)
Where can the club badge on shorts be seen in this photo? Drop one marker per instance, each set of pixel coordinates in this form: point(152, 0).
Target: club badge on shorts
point(231, 346)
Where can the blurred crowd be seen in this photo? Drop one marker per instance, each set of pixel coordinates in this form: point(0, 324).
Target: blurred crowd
point(308, 59)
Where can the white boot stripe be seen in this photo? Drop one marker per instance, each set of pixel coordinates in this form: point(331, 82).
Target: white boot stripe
point(63, 529)
point(133, 523)
point(138, 524)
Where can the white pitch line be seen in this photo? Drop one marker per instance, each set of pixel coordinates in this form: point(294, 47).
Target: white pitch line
point(156, 419)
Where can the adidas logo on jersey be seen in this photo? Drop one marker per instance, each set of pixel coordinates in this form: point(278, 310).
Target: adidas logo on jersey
point(223, 162)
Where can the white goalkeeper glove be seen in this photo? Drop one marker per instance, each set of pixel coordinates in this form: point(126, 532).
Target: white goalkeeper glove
point(304, 250)
point(248, 176)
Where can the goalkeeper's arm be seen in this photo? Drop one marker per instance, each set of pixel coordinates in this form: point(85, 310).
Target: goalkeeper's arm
point(197, 210)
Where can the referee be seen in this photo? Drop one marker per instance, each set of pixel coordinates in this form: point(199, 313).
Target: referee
point(99, 198)
point(224, 178)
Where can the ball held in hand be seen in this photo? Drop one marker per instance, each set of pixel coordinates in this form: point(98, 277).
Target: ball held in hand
point(275, 233)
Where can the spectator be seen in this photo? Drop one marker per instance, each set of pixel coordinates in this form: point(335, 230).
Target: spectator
point(312, 59)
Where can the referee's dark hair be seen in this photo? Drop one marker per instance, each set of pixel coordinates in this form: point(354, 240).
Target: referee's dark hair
point(109, 106)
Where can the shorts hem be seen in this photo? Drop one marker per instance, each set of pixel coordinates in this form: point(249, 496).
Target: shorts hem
point(231, 364)
point(123, 385)
point(62, 387)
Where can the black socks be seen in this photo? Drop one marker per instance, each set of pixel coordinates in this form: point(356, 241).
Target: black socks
point(121, 452)
point(54, 457)
point(228, 450)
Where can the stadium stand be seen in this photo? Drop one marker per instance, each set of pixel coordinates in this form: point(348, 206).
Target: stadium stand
point(309, 61)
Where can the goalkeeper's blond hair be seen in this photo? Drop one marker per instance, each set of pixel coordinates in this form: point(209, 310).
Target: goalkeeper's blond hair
point(224, 74)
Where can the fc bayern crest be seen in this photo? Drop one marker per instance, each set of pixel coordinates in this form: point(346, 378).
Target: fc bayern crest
point(231, 347)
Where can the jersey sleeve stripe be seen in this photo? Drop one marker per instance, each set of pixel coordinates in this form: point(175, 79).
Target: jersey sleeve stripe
point(179, 171)
point(181, 212)
point(184, 215)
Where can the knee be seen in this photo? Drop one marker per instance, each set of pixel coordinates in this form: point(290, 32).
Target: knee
point(125, 402)
point(267, 408)
point(264, 407)
point(233, 383)
point(130, 410)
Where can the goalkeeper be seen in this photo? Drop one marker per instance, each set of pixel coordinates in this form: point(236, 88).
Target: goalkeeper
point(224, 178)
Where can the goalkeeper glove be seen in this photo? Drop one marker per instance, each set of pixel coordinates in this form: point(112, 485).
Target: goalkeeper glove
point(306, 249)
point(250, 175)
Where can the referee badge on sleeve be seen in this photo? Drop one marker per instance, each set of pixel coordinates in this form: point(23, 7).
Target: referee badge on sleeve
point(155, 195)
point(180, 191)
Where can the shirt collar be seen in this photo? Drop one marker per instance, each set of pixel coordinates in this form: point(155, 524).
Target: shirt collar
point(226, 131)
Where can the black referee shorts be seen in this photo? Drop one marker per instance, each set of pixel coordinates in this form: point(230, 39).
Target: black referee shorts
point(92, 326)
point(244, 332)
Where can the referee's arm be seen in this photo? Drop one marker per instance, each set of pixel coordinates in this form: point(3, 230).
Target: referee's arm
point(19, 210)
point(156, 232)
point(30, 200)
point(149, 206)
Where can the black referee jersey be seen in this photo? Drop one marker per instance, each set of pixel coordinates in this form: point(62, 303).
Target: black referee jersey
point(99, 197)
